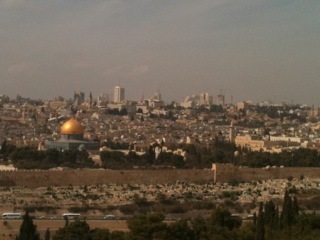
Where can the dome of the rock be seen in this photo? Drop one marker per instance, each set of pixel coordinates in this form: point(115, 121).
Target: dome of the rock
point(72, 127)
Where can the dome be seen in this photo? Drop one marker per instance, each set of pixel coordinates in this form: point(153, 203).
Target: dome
point(72, 127)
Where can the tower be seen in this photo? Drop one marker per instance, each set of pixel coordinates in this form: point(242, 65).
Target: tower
point(231, 132)
point(90, 99)
point(118, 94)
point(157, 96)
point(220, 100)
point(78, 97)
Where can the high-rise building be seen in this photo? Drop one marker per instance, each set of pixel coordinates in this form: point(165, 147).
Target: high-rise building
point(78, 97)
point(205, 99)
point(103, 99)
point(157, 96)
point(220, 100)
point(118, 94)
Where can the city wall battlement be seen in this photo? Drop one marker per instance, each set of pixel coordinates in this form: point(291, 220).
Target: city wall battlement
point(218, 173)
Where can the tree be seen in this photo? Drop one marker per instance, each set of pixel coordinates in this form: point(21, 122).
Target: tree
point(200, 228)
point(147, 227)
point(3, 149)
point(167, 158)
point(47, 235)
point(260, 224)
point(100, 234)
point(295, 207)
point(286, 217)
point(78, 230)
point(180, 230)
point(52, 155)
point(271, 215)
point(123, 111)
point(222, 218)
point(117, 235)
point(66, 221)
point(28, 231)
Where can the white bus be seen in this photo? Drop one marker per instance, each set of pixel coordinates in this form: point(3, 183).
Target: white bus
point(11, 215)
point(71, 215)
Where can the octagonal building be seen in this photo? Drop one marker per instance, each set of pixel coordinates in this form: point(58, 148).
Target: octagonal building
point(71, 137)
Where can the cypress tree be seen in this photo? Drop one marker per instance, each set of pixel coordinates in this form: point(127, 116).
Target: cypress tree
point(269, 213)
point(286, 214)
point(47, 235)
point(28, 231)
point(260, 224)
point(275, 221)
point(255, 219)
point(66, 219)
point(295, 207)
point(290, 211)
point(3, 149)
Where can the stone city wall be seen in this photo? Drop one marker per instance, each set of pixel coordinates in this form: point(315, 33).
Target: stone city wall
point(218, 173)
point(227, 172)
point(38, 178)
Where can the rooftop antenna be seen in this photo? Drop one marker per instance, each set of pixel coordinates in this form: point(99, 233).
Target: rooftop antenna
point(142, 93)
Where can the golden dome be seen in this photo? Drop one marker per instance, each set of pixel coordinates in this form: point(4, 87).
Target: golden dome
point(72, 127)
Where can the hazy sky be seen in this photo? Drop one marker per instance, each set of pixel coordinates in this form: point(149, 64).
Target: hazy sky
point(254, 49)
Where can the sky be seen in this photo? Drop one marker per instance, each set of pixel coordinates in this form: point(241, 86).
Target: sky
point(248, 49)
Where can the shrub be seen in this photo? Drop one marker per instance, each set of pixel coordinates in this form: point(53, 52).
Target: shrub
point(128, 209)
point(176, 209)
point(290, 178)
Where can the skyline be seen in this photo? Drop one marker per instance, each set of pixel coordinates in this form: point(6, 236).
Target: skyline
point(257, 50)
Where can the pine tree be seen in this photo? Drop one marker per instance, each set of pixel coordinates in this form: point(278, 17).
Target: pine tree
point(260, 224)
point(77, 230)
point(28, 231)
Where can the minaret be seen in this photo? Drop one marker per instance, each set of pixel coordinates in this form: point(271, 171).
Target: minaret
point(231, 132)
point(90, 99)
